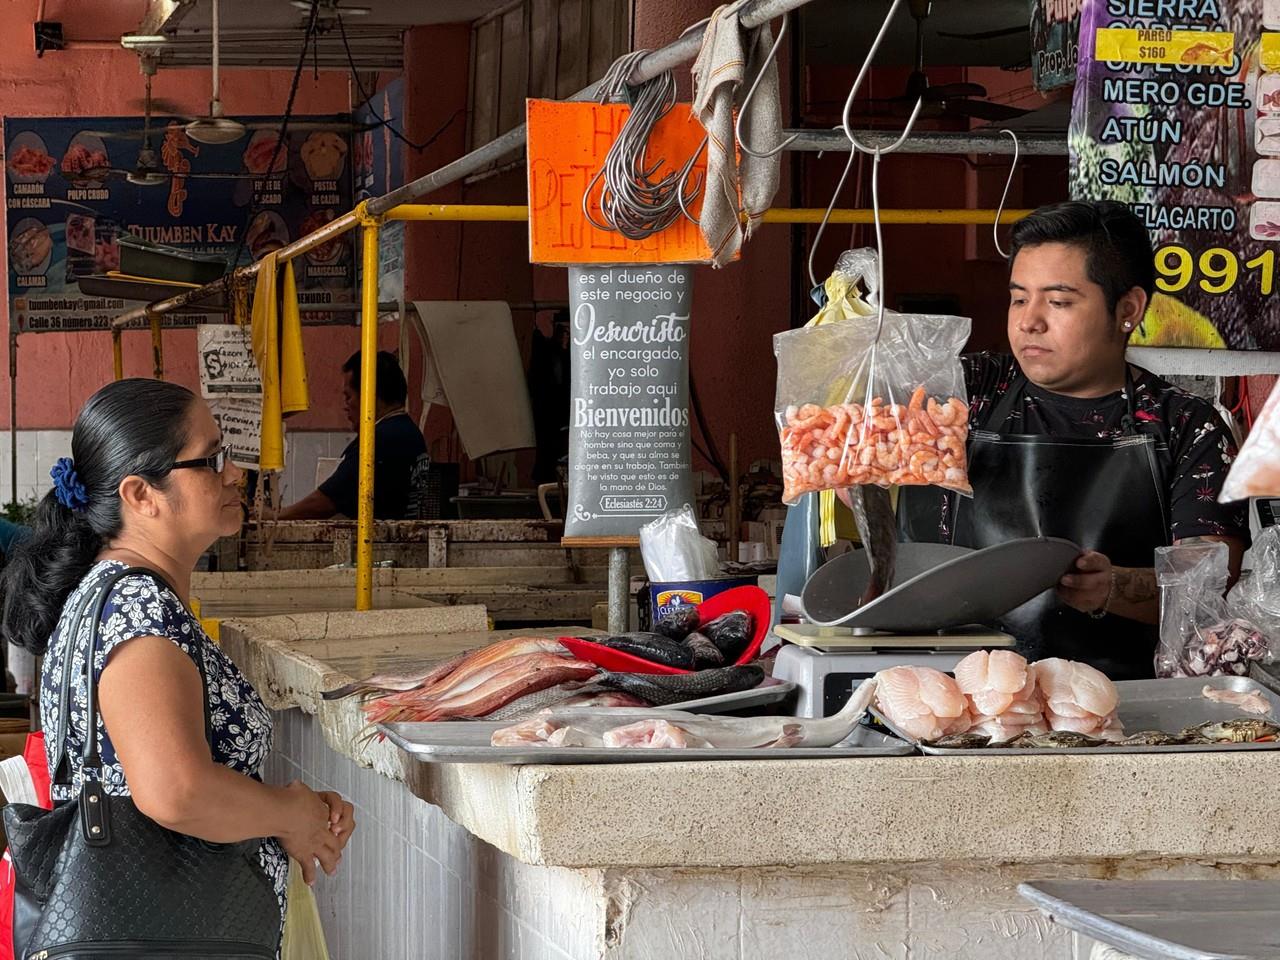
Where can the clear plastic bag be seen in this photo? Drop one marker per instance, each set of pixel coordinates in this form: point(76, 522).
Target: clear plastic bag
point(1256, 472)
point(1255, 598)
point(674, 549)
point(1198, 636)
point(853, 411)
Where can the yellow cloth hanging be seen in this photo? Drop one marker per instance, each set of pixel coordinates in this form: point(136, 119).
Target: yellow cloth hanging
point(294, 397)
point(281, 362)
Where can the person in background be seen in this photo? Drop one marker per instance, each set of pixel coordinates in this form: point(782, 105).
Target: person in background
point(150, 485)
point(549, 394)
point(399, 451)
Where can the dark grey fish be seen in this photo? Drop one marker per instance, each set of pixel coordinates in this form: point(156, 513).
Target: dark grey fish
point(661, 690)
point(705, 652)
point(651, 647)
point(878, 528)
point(731, 633)
point(678, 622)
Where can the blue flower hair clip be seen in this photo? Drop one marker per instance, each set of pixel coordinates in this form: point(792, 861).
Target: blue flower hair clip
point(67, 486)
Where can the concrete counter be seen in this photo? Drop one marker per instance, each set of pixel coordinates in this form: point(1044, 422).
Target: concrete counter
point(885, 857)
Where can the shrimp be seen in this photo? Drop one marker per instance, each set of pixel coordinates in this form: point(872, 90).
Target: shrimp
point(953, 446)
point(923, 462)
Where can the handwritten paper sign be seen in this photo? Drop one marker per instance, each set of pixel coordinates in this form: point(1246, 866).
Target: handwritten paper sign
point(567, 144)
point(240, 420)
point(629, 434)
point(227, 366)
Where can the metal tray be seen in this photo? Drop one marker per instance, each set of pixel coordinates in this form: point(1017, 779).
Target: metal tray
point(768, 692)
point(1168, 705)
point(468, 742)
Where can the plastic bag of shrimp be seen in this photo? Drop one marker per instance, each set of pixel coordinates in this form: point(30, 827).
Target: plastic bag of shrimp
point(1199, 636)
point(853, 407)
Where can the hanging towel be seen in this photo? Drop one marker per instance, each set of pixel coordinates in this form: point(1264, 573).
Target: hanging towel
point(266, 350)
point(294, 397)
point(725, 68)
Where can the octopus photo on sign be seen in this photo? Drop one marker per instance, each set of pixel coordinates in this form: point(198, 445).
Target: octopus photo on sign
point(28, 159)
point(30, 247)
point(323, 154)
point(86, 162)
point(331, 249)
point(260, 151)
point(1264, 221)
point(267, 232)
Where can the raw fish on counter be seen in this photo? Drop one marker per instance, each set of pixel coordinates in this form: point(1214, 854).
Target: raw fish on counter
point(666, 728)
point(1002, 695)
point(678, 622)
point(564, 695)
point(649, 646)
point(1251, 702)
point(410, 680)
point(1078, 698)
point(923, 703)
point(478, 690)
point(662, 689)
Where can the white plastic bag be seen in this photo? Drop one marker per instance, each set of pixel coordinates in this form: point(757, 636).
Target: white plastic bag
point(1198, 637)
point(675, 550)
point(1256, 598)
point(853, 410)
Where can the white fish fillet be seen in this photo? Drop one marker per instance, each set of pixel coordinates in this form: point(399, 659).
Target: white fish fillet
point(1251, 702)
point(921, 702)
point(991, 680)
point(1069, 682)
point(726, 733)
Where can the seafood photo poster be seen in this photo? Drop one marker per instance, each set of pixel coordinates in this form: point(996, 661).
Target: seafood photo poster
point(68, 198)
point(629, 445)
point(1177, 113)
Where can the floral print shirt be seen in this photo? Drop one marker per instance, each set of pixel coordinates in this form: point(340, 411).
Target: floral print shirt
point(1200, 448)
point(141, 606)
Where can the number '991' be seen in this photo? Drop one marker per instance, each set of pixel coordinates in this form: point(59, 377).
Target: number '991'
point(1216, 270)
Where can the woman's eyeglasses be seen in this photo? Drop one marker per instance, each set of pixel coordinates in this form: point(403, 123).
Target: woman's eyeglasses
point(217, 463)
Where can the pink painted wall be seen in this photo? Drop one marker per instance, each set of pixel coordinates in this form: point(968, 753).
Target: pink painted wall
point(57, 372)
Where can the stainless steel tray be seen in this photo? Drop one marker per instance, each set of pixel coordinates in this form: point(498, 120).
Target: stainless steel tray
point(1168, 705)
point(458, 742)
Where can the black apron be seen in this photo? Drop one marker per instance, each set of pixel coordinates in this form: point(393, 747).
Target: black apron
point(1105, 495)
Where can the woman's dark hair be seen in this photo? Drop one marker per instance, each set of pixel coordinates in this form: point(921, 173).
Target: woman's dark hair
point(1117, 245)
point(128, 428)
point(391, 384)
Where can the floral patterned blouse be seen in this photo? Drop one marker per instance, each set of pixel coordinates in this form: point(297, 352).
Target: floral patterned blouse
point(139, 606)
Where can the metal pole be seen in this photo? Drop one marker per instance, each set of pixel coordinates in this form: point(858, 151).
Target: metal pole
point(619, 589)
point(480, 213)
point(117, 353)
point(368, 393)
point(13, 416)
point(157, 347)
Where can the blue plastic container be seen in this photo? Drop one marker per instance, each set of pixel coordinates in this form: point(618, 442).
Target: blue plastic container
point(663, 596)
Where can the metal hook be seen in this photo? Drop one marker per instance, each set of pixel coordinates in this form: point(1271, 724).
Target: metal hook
point(857, 85)
point(746, 102)
point(826, 217)
point(995, 229)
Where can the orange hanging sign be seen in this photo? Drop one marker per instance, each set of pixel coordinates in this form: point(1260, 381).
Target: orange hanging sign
point(567, 143)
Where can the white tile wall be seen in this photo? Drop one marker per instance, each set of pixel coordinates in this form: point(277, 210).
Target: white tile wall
point(414, 885)
point(39, 450)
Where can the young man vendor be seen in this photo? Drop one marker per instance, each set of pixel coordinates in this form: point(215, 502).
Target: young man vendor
point(1083, 445)
point(399, 452)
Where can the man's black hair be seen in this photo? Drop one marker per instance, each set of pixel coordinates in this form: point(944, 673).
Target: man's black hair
point(392, 389)
point(1117, 245)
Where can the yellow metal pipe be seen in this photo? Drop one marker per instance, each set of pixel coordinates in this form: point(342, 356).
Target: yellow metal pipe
point(368, 393)
point(468, 213)
point(157, 346)
point(117, 353)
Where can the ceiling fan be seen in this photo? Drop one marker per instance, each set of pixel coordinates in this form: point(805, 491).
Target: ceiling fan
point(215, 128)
point(946, 100)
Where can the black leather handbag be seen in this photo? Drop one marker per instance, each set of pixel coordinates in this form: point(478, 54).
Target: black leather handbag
point(98, 879)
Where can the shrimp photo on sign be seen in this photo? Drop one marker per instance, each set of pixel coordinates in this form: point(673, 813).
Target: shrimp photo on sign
point(629, 446)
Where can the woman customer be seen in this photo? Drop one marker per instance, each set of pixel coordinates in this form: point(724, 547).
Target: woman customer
point(149, 484)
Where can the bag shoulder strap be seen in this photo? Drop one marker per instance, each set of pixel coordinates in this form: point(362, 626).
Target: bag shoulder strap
point(94, 605)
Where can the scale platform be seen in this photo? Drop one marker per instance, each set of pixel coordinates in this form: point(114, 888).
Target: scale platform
point(826, 663)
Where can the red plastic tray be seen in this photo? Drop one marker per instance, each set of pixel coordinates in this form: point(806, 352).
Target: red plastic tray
point(752, 599)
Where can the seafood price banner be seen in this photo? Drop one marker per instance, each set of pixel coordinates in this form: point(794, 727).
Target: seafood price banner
point(68, 197)
point(1055, 42)
point(629, 419)
point(377, 162)
point(1177, 113)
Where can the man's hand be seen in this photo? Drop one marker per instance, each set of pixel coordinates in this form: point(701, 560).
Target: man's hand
point(1089, 585)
